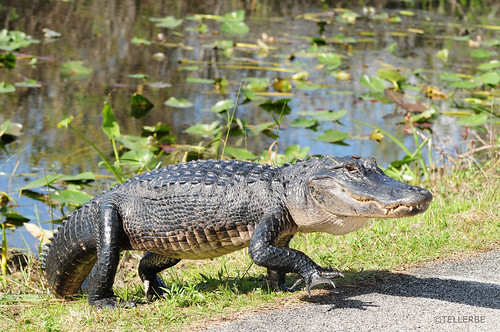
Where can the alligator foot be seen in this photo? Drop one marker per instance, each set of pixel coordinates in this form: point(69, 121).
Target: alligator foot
point(111, 303)
point(154, 288)
point(320, 276)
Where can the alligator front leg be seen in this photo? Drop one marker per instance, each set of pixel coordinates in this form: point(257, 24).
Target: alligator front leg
point(264, 251)
point(149, 266)
point(102, 277)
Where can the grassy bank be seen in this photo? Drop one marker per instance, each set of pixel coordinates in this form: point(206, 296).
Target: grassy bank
point(462, 220)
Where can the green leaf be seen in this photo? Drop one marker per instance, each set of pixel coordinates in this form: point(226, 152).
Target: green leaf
point(331, 61)
point(443, 54)
point(474, 120)
point(394, 19)
point(12, 217)
point(239, 153)
point(7, 60)
point(81, 177)
point(139, 76)
point(392, 48)
point(178, 103)
point(223, 105)
point(41, 182)
point(6, 88)
point(373, 83)
point(480, 54)
point(279, 106)
point(324, 115)
point(233, 23)
point(200, 80)
point(234, 28)
point(489, 65)
point(333, 136)
point(488, 78)
point(140, 41)
point(464, 85)
point(204, 129)
point(235, 16)
point(74, 70)
point(168, 22)
point(109, 124)
point(140, 105)
point(407, 13)
point(294, 152)
point(137, 159)
point(390, 75)
point(449, 77)
point(64, 123)
point(28, 84)
point(304, 123)
point(257, 84)
point(71, 197)
point(307, 86)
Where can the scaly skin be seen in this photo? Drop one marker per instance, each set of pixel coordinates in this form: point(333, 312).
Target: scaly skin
point(205, 209)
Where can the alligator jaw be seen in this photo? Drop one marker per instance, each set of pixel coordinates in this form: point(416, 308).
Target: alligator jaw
point(403, 210)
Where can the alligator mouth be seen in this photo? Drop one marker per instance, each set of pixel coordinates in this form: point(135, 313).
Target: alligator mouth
point(404, 208)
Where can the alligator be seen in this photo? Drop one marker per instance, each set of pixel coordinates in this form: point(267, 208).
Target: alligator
point(208, 208)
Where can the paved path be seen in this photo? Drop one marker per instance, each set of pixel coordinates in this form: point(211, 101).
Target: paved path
point(452, 296)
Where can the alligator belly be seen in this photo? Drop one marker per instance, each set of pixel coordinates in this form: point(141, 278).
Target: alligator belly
point(194, 243)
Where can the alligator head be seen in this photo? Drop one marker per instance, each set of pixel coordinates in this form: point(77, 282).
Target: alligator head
point(342, 193)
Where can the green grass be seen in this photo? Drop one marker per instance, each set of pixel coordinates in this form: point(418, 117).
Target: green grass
point(462, 220)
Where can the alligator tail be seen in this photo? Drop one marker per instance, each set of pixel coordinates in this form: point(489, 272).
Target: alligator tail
point(70, 256)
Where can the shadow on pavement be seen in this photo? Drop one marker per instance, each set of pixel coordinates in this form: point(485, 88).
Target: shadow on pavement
point(486, 295)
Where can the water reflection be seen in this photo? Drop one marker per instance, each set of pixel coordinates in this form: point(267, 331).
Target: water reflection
point(99, 33)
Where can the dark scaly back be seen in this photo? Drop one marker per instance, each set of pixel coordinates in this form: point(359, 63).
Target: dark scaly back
point(199, 209)
point(71, 254)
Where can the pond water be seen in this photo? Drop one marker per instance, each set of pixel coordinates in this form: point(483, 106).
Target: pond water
point(116, 39)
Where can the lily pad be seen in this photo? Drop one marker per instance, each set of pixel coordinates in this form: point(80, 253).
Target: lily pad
point(491, 77)
point(474, 120)
point(178, 103)
point(331, 61)
point(333, 136)
point(489, 65)
point(6, 88)
point(373, 83)
point(304, 123)
point(390, 75)
point(168, 22)
point(223, 105)
point(233, 23)
point(139, 76)
point(480, 54)
point(28, 84)
point(75, 70)
point(140, 105)
point(204, 129)
point(239, 153)
point(279, 106)
point(326, 115)
point(200, 80)
point(71, 197)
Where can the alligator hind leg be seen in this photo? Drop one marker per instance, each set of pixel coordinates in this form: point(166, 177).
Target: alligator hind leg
point(149, 266)
point(102, 277)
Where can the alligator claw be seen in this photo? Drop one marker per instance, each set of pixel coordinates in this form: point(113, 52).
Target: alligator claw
point(154, 288)
point(323, 276)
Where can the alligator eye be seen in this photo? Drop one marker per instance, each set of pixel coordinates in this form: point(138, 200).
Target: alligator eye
point(351, 168)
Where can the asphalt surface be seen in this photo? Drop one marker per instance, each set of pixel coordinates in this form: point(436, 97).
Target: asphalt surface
point(461, 295)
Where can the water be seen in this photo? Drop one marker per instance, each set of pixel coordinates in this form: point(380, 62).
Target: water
point(99, 34)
